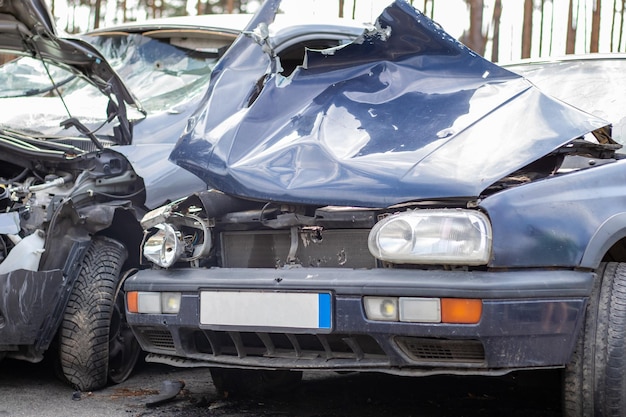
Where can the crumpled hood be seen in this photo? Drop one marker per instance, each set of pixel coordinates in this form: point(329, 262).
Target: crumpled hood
point(26, 27)
point(404, 113)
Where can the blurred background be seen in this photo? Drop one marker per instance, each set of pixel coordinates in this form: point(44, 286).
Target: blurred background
point(500, 30)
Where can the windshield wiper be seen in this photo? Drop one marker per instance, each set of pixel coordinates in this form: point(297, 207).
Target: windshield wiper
point(72, 121)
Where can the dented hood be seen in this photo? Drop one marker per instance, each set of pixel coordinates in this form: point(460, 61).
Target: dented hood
point(404, 113)
point(27, 28)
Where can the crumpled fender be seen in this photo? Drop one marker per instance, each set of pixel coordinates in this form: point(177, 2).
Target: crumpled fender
point(25, 303)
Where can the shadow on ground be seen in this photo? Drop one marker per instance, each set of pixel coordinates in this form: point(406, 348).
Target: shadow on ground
point(328, 394)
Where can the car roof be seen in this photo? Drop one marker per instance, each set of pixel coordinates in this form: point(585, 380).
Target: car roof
point(225, 27)
point(563, 58)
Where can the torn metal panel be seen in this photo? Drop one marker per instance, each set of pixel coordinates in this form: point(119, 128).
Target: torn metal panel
point(25, 304)
point(406, 112)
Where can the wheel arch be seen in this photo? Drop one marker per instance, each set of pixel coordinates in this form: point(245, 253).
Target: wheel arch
point(608, 243)
point(126, 229)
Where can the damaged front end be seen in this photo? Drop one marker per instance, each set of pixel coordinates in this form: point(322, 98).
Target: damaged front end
point(55, 194)
point(408, 208)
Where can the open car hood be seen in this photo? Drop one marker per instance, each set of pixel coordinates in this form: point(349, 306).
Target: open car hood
point(27, 28)
point(404, 113)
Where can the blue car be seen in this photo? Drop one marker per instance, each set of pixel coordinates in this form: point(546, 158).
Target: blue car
point(396, 205)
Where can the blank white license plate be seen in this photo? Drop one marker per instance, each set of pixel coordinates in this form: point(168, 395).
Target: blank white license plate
point(266, 309)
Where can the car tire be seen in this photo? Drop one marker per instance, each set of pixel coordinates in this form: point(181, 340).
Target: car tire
point(250, 382)
point(594, 382)
point(96, 345)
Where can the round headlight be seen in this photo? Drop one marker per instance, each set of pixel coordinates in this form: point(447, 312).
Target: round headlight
point(164, 247)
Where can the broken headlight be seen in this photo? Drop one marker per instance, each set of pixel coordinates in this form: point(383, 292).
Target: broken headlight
point(164, 247)
point(174, 235)
point(433, 236)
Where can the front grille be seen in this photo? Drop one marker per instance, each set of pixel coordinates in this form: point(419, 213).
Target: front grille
point(161, 339)
point(337, 248)
point(279, 345)
point(440, 350)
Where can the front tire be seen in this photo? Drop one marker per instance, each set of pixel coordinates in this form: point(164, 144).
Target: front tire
point(595, 380)
point(95, 343)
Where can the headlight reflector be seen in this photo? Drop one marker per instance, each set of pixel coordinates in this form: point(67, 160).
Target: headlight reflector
point(164, 247)
point(433, 236)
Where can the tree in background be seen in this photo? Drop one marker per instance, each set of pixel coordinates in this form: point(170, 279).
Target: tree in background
point(584, 30)
point(595, 27)
point(570, 45)
point(474, 37)
point(495, 21)
point(221, 6)
point(527, 28)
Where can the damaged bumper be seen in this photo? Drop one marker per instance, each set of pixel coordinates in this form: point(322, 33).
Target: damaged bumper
point(529, 319)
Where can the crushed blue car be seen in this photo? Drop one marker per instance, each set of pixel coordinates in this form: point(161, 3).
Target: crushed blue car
point(396, 205)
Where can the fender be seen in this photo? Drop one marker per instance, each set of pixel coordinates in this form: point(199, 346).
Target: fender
point(609, 233)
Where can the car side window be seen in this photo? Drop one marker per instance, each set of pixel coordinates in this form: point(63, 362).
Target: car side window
point(293, 56)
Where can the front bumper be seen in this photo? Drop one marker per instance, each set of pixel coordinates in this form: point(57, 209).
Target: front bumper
point(530, 319)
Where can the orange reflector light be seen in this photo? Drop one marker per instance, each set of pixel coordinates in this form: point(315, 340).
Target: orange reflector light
point(461, 310)
point(131, 301)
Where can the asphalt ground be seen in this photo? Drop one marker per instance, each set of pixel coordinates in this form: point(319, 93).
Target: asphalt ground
point(32, 390)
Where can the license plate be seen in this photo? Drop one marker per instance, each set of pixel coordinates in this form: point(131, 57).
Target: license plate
point(266, 309)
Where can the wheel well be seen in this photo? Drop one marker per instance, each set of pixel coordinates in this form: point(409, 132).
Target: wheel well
point(616, 253)
point(126, 229)
point(608, 243)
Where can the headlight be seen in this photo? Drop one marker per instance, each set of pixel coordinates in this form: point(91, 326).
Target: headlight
point(164, 247)
point(449, 237)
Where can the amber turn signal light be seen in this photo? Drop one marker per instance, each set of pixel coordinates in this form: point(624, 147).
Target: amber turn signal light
point(131, 302)
point(461, 310)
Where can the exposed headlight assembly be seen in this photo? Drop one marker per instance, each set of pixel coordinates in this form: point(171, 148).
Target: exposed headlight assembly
point(164, 247)
point(433, 236)
point(184, 238)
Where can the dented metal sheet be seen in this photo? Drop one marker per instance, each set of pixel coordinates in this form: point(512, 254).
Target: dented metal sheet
point(25, 303)
point(405, 112)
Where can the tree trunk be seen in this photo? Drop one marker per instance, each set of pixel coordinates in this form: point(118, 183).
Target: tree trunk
point(96, 15)
point(543, 5)
point(551, 28)
point(621, 26)
point(341, 8)
point(475, 39)
point(495, 43)
point(595, 27)
point(527, 29)
point(570, 43)
point(122, 5)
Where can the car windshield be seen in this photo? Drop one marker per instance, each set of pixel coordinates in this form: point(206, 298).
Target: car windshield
point(161, 76)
